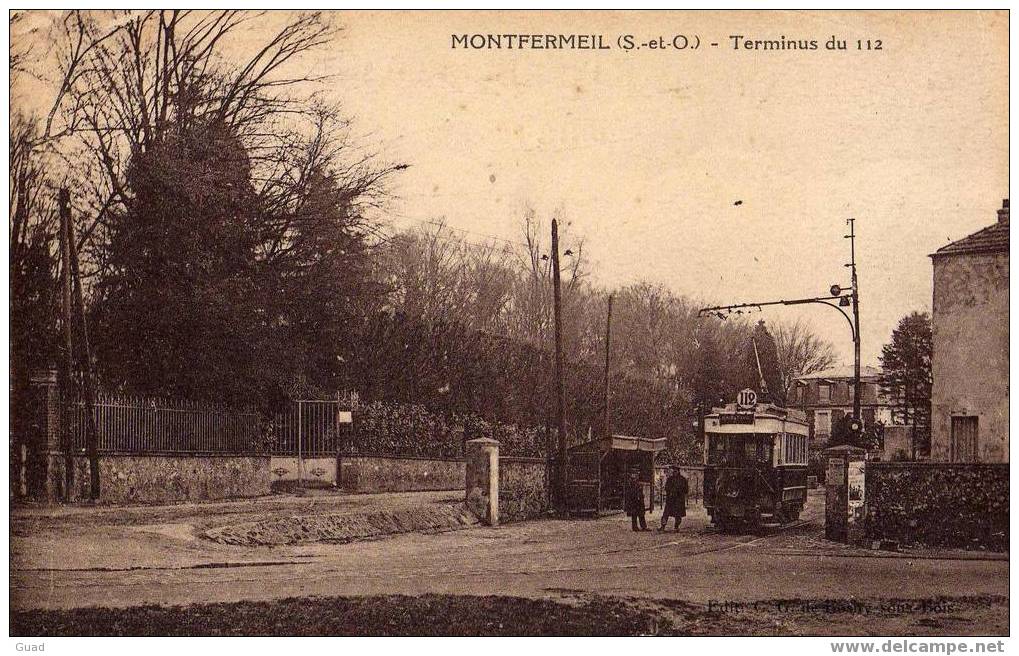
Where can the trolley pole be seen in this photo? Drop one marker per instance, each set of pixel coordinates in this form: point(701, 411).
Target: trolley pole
point(701, 412)
point(560, 477)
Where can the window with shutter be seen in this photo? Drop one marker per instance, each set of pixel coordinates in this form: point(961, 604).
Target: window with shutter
point(822, 423)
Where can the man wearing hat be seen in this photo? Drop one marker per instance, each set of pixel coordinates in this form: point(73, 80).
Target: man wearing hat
point(634, 502)
point(676, 488)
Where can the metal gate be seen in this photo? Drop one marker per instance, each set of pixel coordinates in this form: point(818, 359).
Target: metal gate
point(313, 429)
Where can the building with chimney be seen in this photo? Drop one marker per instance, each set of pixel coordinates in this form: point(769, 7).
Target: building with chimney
point(969, 411)
point(969, 400)
point(827, 396)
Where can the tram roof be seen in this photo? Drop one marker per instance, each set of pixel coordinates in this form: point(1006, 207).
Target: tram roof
point(765, 418)
point(623, 443)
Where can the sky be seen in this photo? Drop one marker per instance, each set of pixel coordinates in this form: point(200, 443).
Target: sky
point(647, 152)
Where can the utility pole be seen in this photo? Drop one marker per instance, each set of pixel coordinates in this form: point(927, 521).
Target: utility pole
point(72, 302)
point(86, 368)
point(608, 364)
point(560, 478)
point(855, 286)
point(64, 202)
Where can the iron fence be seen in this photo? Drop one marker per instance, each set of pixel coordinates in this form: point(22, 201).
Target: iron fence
point(145, 425)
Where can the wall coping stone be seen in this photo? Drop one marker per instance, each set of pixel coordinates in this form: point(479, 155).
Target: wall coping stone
point(165, 454)
point(222, 454)
point(381, 455)
point(483, 440)
point(907, 464)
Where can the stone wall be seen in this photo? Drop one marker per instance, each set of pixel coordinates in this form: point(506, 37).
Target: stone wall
point(970, 363)
point(523, 488)
point(372, 474)
point(315, 470)
point(132, 478)
point(942, 504)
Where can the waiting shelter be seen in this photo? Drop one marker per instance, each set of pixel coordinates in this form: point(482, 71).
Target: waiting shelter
point(597, 471)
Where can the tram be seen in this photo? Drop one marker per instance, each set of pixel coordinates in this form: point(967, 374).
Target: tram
point(755, 464)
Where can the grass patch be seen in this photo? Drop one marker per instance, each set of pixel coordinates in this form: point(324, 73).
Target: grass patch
point(574, 614)
point(394, 615)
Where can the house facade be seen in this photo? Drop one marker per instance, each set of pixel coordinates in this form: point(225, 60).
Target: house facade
point(969, 400)
point(827, 396)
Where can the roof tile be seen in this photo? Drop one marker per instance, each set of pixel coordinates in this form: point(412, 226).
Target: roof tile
point(991, 239)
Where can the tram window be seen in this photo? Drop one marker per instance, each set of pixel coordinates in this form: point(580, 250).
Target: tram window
point(795, 449)
point(717, 449)
point(757, 449)
point(727, 449)
point(739, 450)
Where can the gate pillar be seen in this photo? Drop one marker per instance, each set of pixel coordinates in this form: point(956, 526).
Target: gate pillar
point(483, 479)
point(42, 458)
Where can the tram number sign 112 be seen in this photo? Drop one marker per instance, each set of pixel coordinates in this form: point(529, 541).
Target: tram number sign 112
point(746, 399)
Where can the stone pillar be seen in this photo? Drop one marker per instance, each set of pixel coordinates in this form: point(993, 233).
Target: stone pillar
point(45, 447)
point(483, 479)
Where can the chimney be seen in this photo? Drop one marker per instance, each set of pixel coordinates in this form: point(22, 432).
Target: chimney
point(1003, 212)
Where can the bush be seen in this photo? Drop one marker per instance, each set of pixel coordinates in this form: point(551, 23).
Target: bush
point(387, 428)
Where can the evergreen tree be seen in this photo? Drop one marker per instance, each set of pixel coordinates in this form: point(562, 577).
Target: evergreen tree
point(907, 378)
point(710, 386)
point(178, 311)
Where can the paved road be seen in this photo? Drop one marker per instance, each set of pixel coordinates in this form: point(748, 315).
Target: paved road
point(166, 563)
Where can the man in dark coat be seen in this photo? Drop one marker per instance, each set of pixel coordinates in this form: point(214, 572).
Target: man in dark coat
point(634, 503)
point(676, 488)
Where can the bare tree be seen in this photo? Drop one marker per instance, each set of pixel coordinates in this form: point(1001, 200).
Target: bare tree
point(125, 78)
point(800, 351)
point(36, 137)
point(531, 306)
point(131, 88)
point(31, 249)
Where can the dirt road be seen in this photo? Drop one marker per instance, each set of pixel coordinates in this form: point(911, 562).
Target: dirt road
point(106, 558)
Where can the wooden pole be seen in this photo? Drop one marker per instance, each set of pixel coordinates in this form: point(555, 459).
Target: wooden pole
point(608, 364)
point(64, 202)
point(86, 368)
point(300, 435)
point(560, 484)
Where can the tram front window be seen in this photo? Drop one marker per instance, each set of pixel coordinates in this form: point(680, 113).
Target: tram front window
point(726, 450)
point(739, 450)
